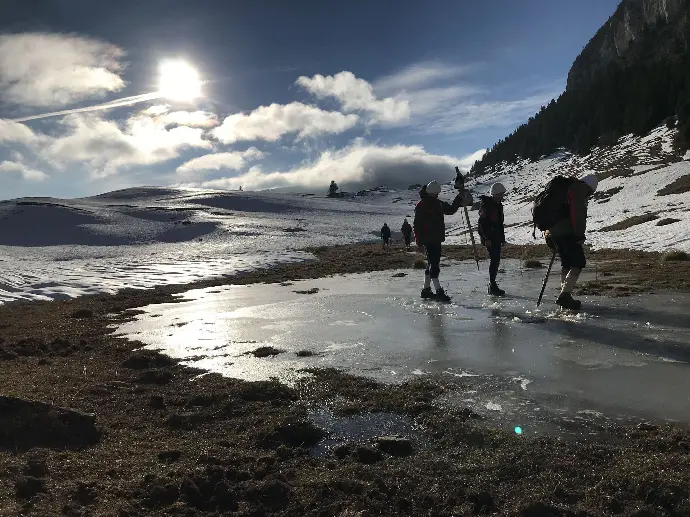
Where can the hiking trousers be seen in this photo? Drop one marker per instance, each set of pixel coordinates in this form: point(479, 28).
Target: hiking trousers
point(433, 259)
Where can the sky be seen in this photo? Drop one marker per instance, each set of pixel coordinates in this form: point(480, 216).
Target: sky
point(99, 96)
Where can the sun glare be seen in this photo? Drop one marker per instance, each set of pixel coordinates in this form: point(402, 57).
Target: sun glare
point(179, 81)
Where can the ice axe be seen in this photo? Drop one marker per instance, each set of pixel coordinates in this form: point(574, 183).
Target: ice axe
point(460, 180)
point(546, 278)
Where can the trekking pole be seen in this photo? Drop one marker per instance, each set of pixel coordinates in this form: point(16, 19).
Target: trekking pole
point(469, 226)
point(546, 278)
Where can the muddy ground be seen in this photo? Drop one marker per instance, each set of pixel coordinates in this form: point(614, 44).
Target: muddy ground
point(164, 441)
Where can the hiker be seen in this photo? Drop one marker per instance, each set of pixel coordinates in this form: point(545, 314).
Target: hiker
point(406, 230)
point(492, 233)
point(386, 235)
point(430, 231)
point(567, 237)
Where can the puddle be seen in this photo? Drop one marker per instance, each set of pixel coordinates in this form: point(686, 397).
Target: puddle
point(623, 358)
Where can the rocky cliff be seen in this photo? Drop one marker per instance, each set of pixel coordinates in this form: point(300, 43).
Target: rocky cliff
point(632, 21)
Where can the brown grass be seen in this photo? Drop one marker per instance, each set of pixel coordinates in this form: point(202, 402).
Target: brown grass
point(680, 186)
point(630, 222)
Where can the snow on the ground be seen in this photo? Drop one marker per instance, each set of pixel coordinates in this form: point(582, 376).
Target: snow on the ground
point(631, 174)
point(142, 237)
point(139, 238)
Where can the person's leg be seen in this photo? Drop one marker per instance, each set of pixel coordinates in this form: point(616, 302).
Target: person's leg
point(573, 261)
point(426, 291)
point(433, 252)
point(495, 261)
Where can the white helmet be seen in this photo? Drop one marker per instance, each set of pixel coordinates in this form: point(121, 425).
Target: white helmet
point(497, 188)
point(433, 188)
point(591, 181)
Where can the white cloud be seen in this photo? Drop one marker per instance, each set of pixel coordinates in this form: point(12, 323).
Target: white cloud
point(14, 132)
point(189, 118)
point(359, 165)
point(156, 110)
point(106, 147)
point(41, 69)
point(234, 160)
point(270, 123)
point(8, 167)
point(418, 75)
point(355, 94)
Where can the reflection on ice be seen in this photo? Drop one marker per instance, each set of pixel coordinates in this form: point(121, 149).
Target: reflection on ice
point(512, 356)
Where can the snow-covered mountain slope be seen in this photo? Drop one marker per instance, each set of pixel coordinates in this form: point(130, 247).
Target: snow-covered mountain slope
point(56, 248)
point(141, 237)
point(643, 199)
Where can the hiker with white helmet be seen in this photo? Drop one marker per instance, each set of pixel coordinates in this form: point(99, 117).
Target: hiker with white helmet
point(430, 231)
point(567, 235)
point(492, 233)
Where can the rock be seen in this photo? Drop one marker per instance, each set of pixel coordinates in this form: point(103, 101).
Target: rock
point(36, 468)
point(85, 494)
point(25, 424)
point(225, 498)
point(341, 452)
point(190, 493)
point(646, 426)
point(483, 502)
point(296, 434)
point(157, 402)
point(399, 275)
point(145, 359)
point(159, 377)
point(395, 445)
point(29, 487)
point(265, 351)
point(305, 353)
point(82, 313)
point(368, 455)
point(169, 456)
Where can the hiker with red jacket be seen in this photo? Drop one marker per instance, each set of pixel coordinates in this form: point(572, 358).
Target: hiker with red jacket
point(567, 237)
point(492, 233)
point(430, 231)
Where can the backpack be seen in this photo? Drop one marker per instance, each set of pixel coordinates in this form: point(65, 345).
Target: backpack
point(551, 204)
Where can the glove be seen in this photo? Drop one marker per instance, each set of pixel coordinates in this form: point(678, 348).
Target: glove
point(549, 241)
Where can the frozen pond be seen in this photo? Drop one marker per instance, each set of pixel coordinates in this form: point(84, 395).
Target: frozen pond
point(618, 359)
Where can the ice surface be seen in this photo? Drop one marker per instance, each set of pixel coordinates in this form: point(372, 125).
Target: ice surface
point(518, 360)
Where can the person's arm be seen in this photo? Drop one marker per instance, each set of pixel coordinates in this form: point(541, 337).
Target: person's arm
point(483, 224)
point(464, 198)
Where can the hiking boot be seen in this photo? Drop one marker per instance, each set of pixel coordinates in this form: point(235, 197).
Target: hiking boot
point(494, 290)
point(566, 301)
point(442, 296)
point(427, 293)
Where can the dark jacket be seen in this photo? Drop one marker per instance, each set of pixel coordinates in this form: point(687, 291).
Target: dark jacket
point(429, 225)
point(406, 229)
point(576, 222)
point(490, 226)
point(385, 232)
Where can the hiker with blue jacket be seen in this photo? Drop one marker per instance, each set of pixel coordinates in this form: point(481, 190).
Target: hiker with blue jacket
point(567, 236)
point(492, 233)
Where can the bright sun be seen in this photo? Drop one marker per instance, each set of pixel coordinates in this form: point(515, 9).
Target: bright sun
point(179, 81)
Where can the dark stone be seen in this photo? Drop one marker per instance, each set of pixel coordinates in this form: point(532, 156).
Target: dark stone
point(191, 494)
point(395, 445)
point(85, 494)
point(82, 313)
point(160, 496)
point(646, 426)
point(147, 359)
point(169, 456)
point(29, 487)
point(36, 468)
point(368, 455)
point(296, 434)
point(159, 377)
point(341, 452)
point(157, 402)
point(483, 502)
point(25, 424)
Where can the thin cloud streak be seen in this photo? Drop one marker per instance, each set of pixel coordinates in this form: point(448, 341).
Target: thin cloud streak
point(127, 101)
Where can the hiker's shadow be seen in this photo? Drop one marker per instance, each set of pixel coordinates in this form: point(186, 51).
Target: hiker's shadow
point(641, 315)
point(624, 340)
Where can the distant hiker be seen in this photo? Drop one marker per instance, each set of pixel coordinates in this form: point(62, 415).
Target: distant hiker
point(406, 230)
point(566, 201)
point(386, 235)
point(430, 231)
point(491, 232)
